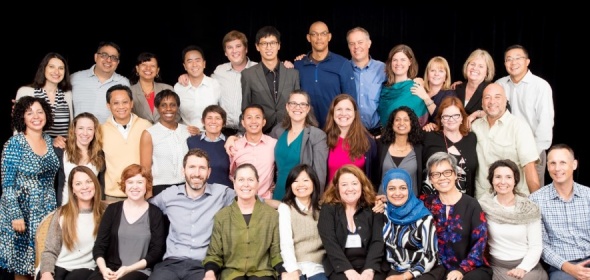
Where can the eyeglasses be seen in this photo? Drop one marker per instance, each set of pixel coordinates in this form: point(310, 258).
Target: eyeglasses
point(448, 117)
point(268, 44)
point(293, 105)
point(321, 34)
point(446, 173)
point(106, 56)
point(510, 59)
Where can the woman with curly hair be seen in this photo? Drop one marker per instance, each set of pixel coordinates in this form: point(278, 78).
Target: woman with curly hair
point(29, 165)
point(401, 146)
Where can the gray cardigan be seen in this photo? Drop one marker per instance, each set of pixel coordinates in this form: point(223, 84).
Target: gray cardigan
point(314, 150)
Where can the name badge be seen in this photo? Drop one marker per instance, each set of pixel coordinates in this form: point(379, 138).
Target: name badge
point(353, 241)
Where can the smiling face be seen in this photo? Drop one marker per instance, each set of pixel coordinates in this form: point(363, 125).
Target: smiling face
point(302, 187)
point(517, 63)
point(245, 184)
point(135, 187)
point(503, 180)
point(196, 172)
point(397, 192)
point(235, 51)
point(344, 114)
point(148, 70)
point(213, 123)
point(561, 165)
point(451, 118)
point(359, 45)
point(83, 187)
point(194, 64)
point(402, 123)
point(35, 117)
point(319, 36)
point(84, 131)
point(443, 184)
point(477, 70)
point(437, 74)
point(400, 64)
point(268, 47)
point(297, 107)
point(494, 101)
point(253, 120)
point(349, 188)
point(168, 109)
point(120, 106)
point(107, 65)
point(55, 71)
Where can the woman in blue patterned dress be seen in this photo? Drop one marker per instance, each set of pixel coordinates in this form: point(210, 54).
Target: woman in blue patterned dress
point(29, 166)
point(461, 226)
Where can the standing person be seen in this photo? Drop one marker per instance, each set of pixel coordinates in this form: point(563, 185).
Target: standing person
point(401, 68)
point(452, 135)
point(190, 233)
point(437, 86)
point(212, 141)
point(348, 140)
point(83, 147)
point(121, 138)
point(145, 84)
point(52, 83)
point(245, 239)
point(501, 135)
point(301, 246)
point(369, 76)
point(299, 140)
point(351, 232)
point(323, 74)
point(409, 232)
point(269, 83)
point(478, 71)
point(132, 233)
point(256, 148)
point(514, 226)
point(200, 92)
point(461, 226)
point(531, 98)
point(90, 86)
point(73, 229)
point(400, 146)
point(29, 166)
point(565, 212)
point(163, 145)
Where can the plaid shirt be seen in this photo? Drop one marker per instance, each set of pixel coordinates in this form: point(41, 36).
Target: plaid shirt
point(566, 224)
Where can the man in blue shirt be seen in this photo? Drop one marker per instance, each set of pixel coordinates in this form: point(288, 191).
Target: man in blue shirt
point(369, 76)
point(565, 214)
point(324, 74)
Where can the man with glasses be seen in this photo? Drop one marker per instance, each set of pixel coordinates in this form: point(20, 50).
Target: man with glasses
point(501, 135)
point(323, 73)
point(89, 86)
point(269, 82)
point(531, 98)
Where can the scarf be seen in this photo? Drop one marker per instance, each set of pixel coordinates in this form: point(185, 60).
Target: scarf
point(398, 95)
point(409, 212)
point(525, 211)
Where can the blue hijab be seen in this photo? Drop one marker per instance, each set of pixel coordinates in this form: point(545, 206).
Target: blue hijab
point(412, 210)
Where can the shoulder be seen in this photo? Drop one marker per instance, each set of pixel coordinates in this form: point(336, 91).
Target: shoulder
point(24, 91)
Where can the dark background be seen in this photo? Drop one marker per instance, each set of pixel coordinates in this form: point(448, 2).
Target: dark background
point(167, 28)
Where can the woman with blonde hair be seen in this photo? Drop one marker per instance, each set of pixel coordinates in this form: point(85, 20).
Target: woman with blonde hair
point(478, 71)
point(73, 229)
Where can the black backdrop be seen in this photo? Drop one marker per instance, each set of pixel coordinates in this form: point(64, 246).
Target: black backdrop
point(167, 28)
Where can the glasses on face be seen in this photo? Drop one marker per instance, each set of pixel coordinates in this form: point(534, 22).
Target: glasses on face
point(510, 59)
point(106, 56)
point(268, 44)
point(293, 105)
point(321, 34)
point(446, 173)
point(448, 117)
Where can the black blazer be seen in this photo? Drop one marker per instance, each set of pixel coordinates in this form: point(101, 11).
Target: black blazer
point(333, 229)
point(475, 101)
point(60, 176)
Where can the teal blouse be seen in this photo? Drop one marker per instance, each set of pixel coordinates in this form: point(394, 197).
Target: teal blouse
point(286, 157)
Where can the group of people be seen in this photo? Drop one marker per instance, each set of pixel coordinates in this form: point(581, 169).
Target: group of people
point(376, 173)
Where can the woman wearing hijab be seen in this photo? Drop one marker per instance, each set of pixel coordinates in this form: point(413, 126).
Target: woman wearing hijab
point(409, 232)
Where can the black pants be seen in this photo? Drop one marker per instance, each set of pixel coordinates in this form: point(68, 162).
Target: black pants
point(61, 273)
point(133, 275)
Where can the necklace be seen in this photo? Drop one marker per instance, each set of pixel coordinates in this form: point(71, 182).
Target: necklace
point(400, 150)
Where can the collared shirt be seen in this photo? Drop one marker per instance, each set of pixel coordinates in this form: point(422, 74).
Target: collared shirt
point(368, 81)
point(566, 224)
point(231, 91)
point(123, 128)
point(509, 138)
point(532, 99)
point(221, 137)
point(89, 94)
point(191, 220)
point(169, 148)
point(194, 99)
point(262, 156)
point(272, 79)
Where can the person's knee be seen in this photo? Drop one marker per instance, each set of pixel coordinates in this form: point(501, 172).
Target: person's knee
point(560, 275)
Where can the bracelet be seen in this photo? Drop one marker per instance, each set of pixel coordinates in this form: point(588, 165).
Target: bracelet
point(430, 103)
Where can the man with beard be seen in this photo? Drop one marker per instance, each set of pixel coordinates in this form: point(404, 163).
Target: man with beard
point(190, 208)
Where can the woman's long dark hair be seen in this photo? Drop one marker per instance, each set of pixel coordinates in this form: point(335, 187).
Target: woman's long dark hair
point(289, 197)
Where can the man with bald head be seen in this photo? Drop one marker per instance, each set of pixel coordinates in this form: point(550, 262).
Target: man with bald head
point(501, 135)
point(324, 74)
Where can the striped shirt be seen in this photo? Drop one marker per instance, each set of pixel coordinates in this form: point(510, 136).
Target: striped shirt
point(566, 224)
point(60, 110)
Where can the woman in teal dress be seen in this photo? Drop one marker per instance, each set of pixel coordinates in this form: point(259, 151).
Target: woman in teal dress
point(29, 166)
point(299, 140)
point(401, 69)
